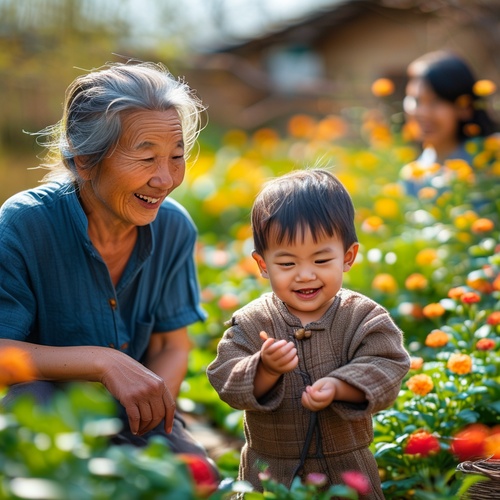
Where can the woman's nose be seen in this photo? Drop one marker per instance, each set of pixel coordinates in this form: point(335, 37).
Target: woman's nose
point(162, 178)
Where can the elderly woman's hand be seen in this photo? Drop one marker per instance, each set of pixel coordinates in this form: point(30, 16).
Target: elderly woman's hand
point(143, 394)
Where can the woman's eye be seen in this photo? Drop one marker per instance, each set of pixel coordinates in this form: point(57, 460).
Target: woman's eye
point(148, 160)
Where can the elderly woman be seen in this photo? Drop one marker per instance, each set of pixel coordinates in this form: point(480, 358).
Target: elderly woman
point(97, 277)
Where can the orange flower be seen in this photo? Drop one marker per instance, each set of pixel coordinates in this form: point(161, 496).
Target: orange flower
point(422, 443)
point(461, 364)
point(485, 344)
point(480, 284)
point(492, 446)
point(427, 193)
point(372, 224)
point(416, 281)
point(437, 338)
point(384, 283)
point(420, 384)
point(470, 298)
point(496, 283)
point(469, 443)
point(494, 318)
point(416, 363)
point(456, 293)
point(301, 126)
point(228, 301)
point(484, 88)
point(433, 310)
point(382, 87)
point(331, 128)
point(15, 366)
point(482, 225)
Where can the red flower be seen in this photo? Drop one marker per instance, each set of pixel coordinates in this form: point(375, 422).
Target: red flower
point(485, 344)
point(494, 318)
point(470, 298)
point(357, 481)
point(422, 443)
point(203, 473)
point(469, 443)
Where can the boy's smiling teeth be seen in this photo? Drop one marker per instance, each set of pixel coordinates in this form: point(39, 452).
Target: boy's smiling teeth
point(147, 198)
point(308, 291)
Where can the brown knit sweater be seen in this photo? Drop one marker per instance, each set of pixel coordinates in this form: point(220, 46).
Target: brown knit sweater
point(355, 341)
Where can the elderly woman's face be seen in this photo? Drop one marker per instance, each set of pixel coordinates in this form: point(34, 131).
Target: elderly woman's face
point(145, 167)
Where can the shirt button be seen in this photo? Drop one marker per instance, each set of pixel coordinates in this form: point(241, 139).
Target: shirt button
point(124, 346)
point(111, 345)
point(112, 303)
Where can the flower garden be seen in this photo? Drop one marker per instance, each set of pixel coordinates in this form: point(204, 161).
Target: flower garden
point(432, 260)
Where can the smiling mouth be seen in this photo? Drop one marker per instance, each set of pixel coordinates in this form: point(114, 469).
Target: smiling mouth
point(147, 199)
point(306, 291)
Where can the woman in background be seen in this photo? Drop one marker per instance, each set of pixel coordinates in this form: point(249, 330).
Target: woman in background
point(441, 99)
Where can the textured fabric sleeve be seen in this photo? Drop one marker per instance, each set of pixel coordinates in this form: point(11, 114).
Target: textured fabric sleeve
point(376, 362)
point(232, 373)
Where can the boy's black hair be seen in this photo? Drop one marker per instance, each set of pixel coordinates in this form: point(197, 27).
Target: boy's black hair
point(303, 199)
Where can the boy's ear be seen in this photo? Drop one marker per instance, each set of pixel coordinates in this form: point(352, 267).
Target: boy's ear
point(261, 263)
point(350, 256)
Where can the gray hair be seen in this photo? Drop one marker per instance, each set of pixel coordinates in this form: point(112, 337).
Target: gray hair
point(91, 122)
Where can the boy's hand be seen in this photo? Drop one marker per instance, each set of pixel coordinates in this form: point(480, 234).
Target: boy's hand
point(278, 356)
point(320, 394)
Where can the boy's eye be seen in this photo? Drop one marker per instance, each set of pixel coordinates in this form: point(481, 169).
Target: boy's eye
point(285, 264)
point(322, 261)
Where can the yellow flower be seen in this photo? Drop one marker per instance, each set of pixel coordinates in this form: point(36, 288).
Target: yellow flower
point(386, 208)
point(427, 257)
point(437, 338)
point(433, 310)
point(461, 364)
point(481, 159)
point(384, 283)
point(393, 190)
point(382, 87)
point(420, 384)
point(484, 87)
point(235, 137)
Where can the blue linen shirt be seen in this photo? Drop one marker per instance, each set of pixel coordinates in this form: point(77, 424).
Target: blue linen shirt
point(56, 290)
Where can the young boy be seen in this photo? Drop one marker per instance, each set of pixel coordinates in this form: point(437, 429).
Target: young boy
point(309, 362)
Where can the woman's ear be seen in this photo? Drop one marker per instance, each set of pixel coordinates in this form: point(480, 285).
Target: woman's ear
point(350, 256)
point(261, 263)
point(83, 172)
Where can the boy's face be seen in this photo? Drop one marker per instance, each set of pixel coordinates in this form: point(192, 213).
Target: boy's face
point(306, 275)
